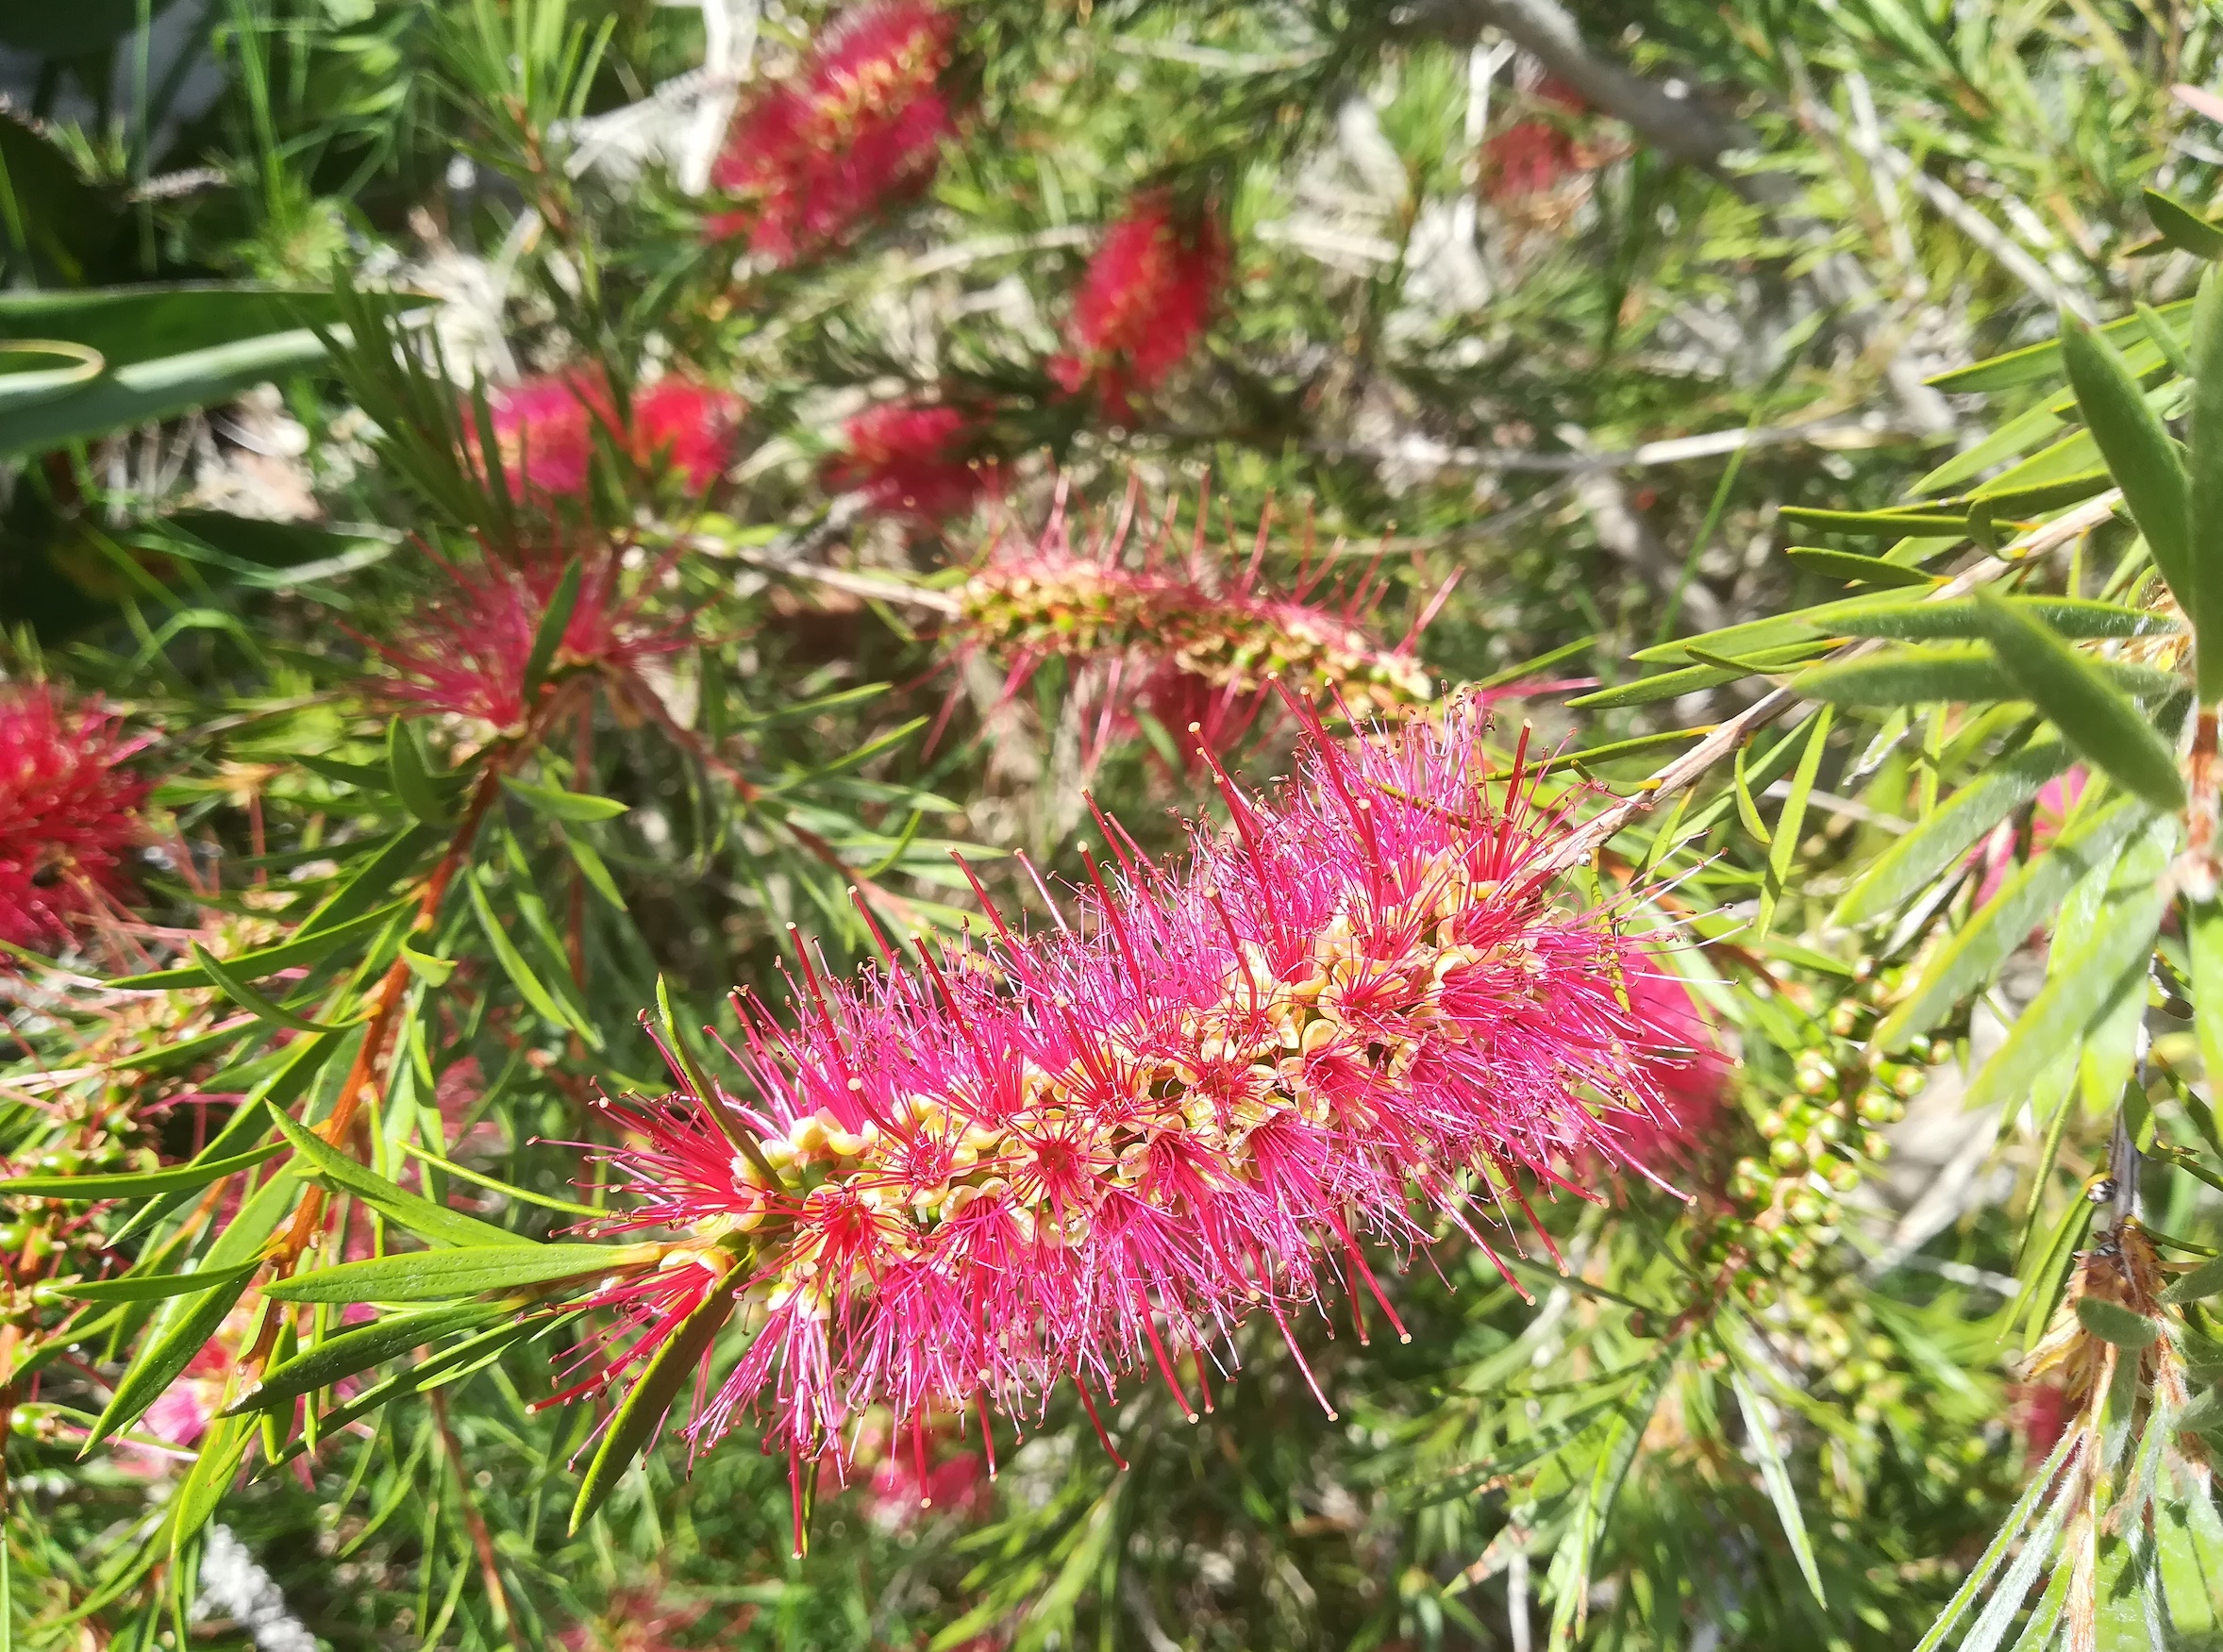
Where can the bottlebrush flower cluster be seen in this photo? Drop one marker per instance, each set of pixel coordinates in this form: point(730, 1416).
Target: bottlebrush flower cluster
point(1144, 303)
point(913, 459)
point(69, 816)
point(1362, 1014)
point(860, 127)
point(1174, 633)
point(1532, 154)
point(544, 430)
point(466, 651)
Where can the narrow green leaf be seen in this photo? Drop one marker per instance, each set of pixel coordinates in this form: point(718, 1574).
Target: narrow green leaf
point(1892, 524)
point(2164, 338)
point(2099, 720)
point(223, 1447)
point(154, 1287)
point(1907, 867)
point(1775, 1476)
point(548, 637)
point(433, 972)
point(2034, 363)
point(362, 1347)
point(247, 998)
point(1962, 619)
point(2202, 1282)
point(2029, 897)
point(325, 1163)
point(2137, 449)
point(187, 1323)
point(2206, 427)
point(520, 972)
point(2036, 498)
point(495, 1184)
point(2083, 988)
point(412, 775)
point(2111, 1322)
point(559, 803)
point(138, 1185)
point(1909, 677)
point(1848, 565)
point(436, 1370)
point(2181, 226)
point(294, 952)
point(641, 1411)
point(594, 869)
point(1791, 820)
point(440, 1275)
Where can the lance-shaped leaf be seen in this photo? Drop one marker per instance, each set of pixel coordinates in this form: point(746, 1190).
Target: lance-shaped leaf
point(2099, 722)
point(1916, 622)
point(1850, 565)
point(138, 1185)
point(1904, 869)
point(154, 1287)
point(1783, 849)
point(2027, 899)
point(2082, 990)
point(1947, 673)
point(2202, 1282)
point(559, 803)
point(323, 1162)
point(450, 1364)
point(641, 1411)
point(189, 1322)
point(1775, 1476)
point(339, 1358)
point(295, 953)
point(2206, 606)
point(548, 636)
point(2138, 450)
point(444, 1275)
point(256, 1004)
point(2181, 226)
point(2111, 1322)
point(529, 986)
point(413, 779)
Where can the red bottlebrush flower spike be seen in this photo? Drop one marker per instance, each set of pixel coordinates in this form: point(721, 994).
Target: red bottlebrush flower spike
point(1144, 302)
point(1688, 1069)
point(913, 459)
point(1087, 1153)
point(1176, 632)
point(465, 653)
point(69, 816)
point(1530, 156)
point(860, 126)
point(544, 430)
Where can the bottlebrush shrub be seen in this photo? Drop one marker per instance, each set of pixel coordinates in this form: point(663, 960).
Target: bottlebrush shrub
point(915, 460)
point(469, 653)
point(1364, 1012)
point(544, 430)
point(1144, 303)
point(1173, 634)
point(860, 127)
point(69, 816)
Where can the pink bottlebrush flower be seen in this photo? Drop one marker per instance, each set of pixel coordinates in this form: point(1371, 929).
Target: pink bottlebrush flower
point(1532, 154)
point(636, 1620)
point(930, 1472)
point(69, 816)
point(2049, 812)
point(914, 460)
point(1076, 1154)
point(465, 653)
point(1688, 1069)
point(1144, 303)
point(686, 425)
point(860, 126)
point(544, 430)
point(1178, 633)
